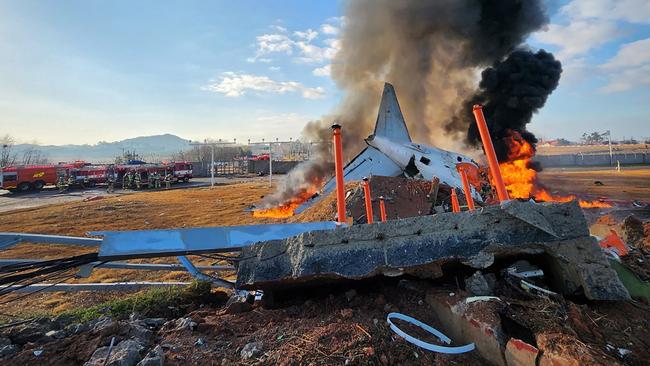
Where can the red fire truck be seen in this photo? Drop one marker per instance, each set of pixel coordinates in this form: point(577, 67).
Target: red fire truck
point(182, 171)
point(25, 178)
point(35, 177)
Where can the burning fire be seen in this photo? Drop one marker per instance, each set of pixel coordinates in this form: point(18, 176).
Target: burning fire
point(287, 208)
point(521, 180)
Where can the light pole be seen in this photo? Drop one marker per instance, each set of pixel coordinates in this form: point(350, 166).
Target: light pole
point(212, 145)
point(270, 144)
point(609, 139)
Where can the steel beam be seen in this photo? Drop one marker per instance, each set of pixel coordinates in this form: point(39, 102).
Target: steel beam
point(164, 243)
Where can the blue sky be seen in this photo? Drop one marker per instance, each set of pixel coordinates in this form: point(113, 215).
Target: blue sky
point(85, 71)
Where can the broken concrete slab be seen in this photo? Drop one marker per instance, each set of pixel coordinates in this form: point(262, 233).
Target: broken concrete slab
point(420, 245)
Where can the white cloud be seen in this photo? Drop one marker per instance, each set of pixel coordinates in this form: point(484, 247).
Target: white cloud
point(303, 46)
point(329, 29)
point(274, 68)
point(579, 36)
point(269, 43)
point(308, 35)
point(279, 28)
point(587, 25)
point(633, 11)
point(628, 78)
point(323, 71)
point(629, 68)
point(631, 54)
point(234, 84)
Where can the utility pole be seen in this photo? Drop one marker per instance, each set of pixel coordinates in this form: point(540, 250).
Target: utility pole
point(212, 145)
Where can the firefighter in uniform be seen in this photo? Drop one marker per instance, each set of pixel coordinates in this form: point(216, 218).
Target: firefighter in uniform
point(111, 183)
point(71, 180)
point(156, 180)
point(138, 179)
point(168, 180)
point(86, 182)
point(129, 179)
point(125, 181)
point(60, 183)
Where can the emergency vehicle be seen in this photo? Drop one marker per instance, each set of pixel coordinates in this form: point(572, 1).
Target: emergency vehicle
point(35, 177)
point(25, 178)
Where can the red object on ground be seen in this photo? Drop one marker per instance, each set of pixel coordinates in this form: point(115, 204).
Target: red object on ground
point(466, 188)
point(382, 209)
point(366, 193)
point(455, 206)
point(338, 168)
point(490, 153)
point(614, 241)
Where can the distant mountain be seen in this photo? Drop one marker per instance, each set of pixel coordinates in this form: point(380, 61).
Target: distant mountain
point(150, 148)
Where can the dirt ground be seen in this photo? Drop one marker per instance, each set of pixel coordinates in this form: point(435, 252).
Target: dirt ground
point(631, 183)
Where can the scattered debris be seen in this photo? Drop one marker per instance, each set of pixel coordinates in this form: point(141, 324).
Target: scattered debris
point(251, 350)
point(478, 285)
point(428, 346)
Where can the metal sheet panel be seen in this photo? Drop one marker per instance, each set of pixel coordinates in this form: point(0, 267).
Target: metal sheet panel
point(159, 243)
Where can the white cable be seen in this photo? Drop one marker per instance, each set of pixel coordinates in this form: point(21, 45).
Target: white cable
point(428, 346)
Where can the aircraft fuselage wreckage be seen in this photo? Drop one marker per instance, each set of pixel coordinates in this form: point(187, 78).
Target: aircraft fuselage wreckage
point(391, 152)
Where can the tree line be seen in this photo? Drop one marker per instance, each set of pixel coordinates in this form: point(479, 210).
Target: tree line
point(9, 156)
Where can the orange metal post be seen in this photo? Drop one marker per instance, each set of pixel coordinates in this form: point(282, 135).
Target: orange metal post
point(382, 209)
point(466, 189)
point(338, 167)
point(366, 192)
point(454, 201)
point(489, 152)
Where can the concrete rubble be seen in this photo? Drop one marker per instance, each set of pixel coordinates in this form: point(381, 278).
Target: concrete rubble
point(556, 234)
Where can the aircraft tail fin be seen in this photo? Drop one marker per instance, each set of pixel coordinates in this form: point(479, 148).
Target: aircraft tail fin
point(390, 121)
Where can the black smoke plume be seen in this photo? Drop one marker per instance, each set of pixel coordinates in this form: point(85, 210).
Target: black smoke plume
point(430, 50)
point(510, 92)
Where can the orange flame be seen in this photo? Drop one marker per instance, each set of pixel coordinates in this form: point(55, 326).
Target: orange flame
point(521, 180)
point(287, 208)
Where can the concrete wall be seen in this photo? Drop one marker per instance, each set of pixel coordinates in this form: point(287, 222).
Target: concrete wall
point(279, 167)
point(592, 159)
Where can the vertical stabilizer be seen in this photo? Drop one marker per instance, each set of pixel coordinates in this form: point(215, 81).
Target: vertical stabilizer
point(390, 122)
